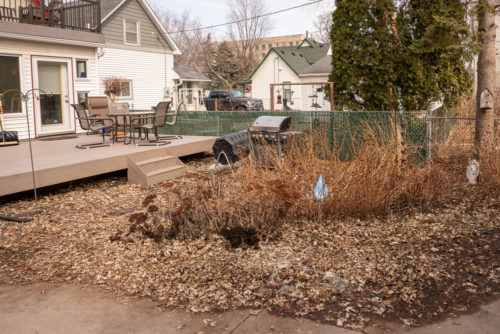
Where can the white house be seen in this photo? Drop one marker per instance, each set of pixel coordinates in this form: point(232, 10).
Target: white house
point(190, 86)
point(67, 50)
point(293, 64)
point(138, 50)
point(47, 50)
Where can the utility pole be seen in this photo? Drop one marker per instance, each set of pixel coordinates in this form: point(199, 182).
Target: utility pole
point(484, 139)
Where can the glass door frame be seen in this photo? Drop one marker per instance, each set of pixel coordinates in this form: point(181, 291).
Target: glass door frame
point(69, 126)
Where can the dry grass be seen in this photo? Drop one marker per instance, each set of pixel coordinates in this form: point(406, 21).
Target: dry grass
point(454, 141)
point(372, 183)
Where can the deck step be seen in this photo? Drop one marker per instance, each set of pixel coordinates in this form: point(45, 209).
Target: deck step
point(150, 165)
point(149, 169)
point(165, 174)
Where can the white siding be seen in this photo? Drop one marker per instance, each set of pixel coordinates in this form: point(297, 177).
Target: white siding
point(274, 70)
point(29, 49)
point(145, 69)
point(308, 91)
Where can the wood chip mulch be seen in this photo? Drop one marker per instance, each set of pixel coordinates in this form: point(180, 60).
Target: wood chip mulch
point(413, 267)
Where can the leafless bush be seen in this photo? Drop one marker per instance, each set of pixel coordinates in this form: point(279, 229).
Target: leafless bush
point(254, 203)
point(112, 87)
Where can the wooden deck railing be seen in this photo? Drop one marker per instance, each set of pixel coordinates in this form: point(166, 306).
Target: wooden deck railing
point(82, 15)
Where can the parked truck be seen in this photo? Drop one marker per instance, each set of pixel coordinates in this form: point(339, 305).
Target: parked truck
point(231, 100)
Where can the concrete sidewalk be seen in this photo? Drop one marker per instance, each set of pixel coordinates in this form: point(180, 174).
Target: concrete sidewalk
point(46, 308)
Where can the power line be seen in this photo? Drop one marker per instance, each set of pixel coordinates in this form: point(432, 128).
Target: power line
point(248, 19)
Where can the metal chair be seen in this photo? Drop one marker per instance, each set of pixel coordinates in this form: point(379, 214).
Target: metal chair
point(98, 106)
point(158, 120)
point(93, 123)
point(120, 121)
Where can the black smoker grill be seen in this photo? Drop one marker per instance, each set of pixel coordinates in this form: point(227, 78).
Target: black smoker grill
point(265, 140)
point(268, 136)
point(232, 145)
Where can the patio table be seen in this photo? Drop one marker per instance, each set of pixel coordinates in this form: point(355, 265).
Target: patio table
point(127, 122)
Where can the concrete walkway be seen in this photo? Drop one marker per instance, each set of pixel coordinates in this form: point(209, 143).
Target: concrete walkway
point(45, 308)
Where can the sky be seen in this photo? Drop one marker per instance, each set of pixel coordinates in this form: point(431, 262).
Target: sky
point(210, 12)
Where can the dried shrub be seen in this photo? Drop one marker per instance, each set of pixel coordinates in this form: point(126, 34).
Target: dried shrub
point(254, 203)
point(112, 87)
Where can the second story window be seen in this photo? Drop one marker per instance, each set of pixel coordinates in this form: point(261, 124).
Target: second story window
point(131, 32)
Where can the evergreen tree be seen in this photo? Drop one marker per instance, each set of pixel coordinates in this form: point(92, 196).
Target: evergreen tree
point(224, 72)
point(436, 44)
point(363, 50)
point(418, 47)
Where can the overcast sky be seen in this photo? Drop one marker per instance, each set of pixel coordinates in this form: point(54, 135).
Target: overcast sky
point(211, 12)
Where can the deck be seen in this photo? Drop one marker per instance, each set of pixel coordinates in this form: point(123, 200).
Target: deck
point(58, 161)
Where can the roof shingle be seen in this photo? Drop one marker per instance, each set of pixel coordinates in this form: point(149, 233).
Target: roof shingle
point(322, 66)
point(187, 73)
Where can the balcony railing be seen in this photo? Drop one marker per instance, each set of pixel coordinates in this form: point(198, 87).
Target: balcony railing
point(82, 15)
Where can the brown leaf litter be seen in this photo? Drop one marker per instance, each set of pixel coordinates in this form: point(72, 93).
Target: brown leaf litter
point(412, 267)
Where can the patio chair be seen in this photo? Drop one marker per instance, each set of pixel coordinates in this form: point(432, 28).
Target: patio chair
point(98, 106)
point(120, 122)
point(158, 120)
point(93, 123)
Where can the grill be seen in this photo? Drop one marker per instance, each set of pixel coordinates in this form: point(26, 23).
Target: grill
point(268, 136)
point(233, 145)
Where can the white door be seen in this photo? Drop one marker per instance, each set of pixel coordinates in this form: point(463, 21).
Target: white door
point(53, 111)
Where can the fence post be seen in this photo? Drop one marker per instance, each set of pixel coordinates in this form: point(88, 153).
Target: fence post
point(429, 137)
point(218, 124)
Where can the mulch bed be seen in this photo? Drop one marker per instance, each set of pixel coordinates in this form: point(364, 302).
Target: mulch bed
point(413, 267)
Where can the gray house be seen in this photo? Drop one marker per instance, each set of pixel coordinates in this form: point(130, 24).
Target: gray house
point(138, 50)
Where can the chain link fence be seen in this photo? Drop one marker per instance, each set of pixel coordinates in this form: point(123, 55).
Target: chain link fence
point(424, 134)
point(454, 134)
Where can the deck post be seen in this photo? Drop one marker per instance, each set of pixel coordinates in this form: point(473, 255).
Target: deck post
point(272, 97)
point(98, 15)
point(42, 14)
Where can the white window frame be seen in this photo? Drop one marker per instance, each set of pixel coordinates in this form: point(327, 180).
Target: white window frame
point(127, 97)
point(138, 25)
point(21, 84)
point(82, 92)
point(86, 68)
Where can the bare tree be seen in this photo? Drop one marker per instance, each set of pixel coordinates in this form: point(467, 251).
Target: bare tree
point(323, 26)
point(484, 144)
point(248, 29)
point(186, 33)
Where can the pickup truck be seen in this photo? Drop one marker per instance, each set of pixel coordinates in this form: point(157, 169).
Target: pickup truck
point(231, 100)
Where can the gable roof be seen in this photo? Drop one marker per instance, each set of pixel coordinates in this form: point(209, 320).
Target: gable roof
point(186, 73)
point(109, 7)
point(321, 67)
point(296, 57)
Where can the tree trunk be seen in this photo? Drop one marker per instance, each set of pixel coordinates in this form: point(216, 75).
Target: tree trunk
point(484, 140)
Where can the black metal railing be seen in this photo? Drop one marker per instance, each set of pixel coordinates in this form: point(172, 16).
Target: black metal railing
point(82, 15)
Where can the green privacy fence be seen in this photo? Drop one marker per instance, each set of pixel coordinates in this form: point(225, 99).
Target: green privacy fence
point(344, 129)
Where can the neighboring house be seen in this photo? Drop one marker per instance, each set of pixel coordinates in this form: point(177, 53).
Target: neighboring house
point(190, 86)
point(50, 50)
point(67, 49)
point(317, 72)
point(139, 50)
point(293, 64)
